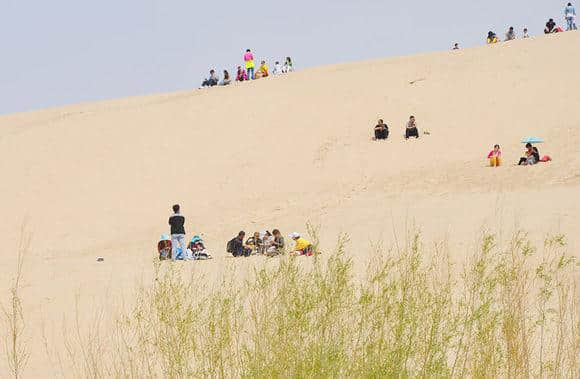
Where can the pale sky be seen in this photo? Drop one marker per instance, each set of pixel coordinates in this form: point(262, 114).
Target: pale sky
point(69, 51)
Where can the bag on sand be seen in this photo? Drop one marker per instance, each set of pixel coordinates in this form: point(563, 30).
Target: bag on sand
point(230, 246)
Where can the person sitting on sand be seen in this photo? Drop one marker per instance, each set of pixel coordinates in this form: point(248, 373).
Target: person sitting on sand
point(267, 239)
point(511, 34)
point(526, 35)
point(164, 247)
point(277, 245)
point(264, 69)
point(213, 80)
point(381, 130)
point(227, 80)
point(536, 155)
point(494, 156)
point(550, 27)
point(570, 16)
point(491, 38)
point(302, 246)
point(456, 46)
point(288, 66)
point(196, 249)
point(532, 156)
point(255, 243)
point(241, 75)
point(411, 129)
point(237, 247)
point(277, 68)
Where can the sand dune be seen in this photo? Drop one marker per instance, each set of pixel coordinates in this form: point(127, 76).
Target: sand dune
point(99, 179)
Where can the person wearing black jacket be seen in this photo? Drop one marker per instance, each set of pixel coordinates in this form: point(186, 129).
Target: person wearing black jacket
point(381, 130)
point(237, 247)
point(177, 222)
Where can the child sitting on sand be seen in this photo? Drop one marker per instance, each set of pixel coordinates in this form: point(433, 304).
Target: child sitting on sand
point(196, 249)
point(494, 156)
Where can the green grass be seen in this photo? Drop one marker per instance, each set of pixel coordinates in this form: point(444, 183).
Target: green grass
point(512, 312)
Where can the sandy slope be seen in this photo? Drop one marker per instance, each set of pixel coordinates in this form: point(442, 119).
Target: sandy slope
point(99, 179)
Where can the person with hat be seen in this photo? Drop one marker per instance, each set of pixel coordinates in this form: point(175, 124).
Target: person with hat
point(164, 247)
point(301, 245)
point(492, 38)
point(196, 249)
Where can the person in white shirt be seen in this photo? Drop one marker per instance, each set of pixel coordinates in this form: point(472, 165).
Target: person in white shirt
point(277, 68)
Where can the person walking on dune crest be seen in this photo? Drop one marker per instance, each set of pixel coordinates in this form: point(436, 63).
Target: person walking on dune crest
point(570, 15)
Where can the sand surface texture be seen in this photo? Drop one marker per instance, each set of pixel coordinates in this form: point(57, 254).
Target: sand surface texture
point(99, 179)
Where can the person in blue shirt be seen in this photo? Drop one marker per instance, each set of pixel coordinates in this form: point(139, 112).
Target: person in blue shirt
point(570, 15)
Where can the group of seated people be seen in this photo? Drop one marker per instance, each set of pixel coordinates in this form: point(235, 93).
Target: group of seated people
point(551, 27)
point(195, 249)
point(531, 156)
point(242, 75)
point(382, 129)
point(263, 72)
point(266, 243)
point(510, 35)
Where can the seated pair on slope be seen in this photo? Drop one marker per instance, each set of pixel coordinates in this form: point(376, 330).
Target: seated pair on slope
point(382, 129)
point(532, 156)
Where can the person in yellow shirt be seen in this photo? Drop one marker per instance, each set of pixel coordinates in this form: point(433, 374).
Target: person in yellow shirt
point(264, 69)
point(302, 246)
point(492, 38)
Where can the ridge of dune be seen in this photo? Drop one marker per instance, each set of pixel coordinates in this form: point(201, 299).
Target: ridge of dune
point(99, 179)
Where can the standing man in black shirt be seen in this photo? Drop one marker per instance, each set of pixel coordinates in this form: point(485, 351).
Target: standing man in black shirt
point(177, 222)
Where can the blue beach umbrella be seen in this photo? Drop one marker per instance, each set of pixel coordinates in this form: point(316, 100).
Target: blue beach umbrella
point(532, 140)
